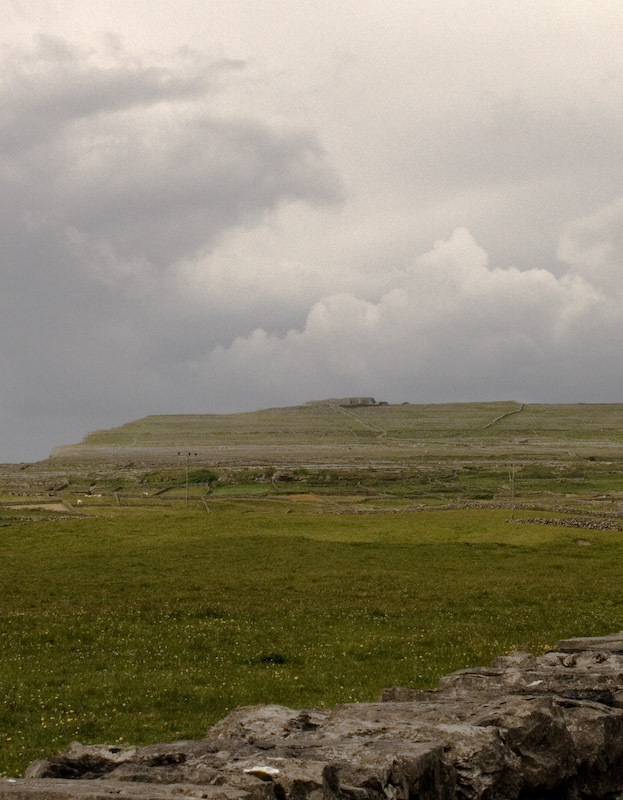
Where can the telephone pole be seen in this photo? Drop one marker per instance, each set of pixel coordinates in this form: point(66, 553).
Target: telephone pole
point(188, 455)
point(511, 478)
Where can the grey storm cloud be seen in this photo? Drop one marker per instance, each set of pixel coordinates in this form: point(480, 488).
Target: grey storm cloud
point(131, 158)
point(109, 176)
point(55, 85)
point(422, 202)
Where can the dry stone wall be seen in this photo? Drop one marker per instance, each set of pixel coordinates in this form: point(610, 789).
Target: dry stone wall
point(524, 728)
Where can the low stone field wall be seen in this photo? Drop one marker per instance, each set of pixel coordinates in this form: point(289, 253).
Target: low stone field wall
point(525, 727)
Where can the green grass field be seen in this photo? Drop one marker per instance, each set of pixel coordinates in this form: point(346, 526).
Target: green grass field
point(146, 624)
point(396, 423)
point(394, 435)
point(303, 556)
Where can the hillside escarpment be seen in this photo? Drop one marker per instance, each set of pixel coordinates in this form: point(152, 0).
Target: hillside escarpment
point(524, 727)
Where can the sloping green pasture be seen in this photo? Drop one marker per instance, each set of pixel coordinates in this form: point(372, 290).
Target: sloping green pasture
point(482, 422)
point(397, 435)
point(148, 624)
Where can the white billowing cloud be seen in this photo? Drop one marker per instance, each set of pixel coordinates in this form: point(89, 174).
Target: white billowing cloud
point(593, 245)
point(453, 325)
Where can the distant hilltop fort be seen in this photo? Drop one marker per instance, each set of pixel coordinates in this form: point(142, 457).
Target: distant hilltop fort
point(346, 401)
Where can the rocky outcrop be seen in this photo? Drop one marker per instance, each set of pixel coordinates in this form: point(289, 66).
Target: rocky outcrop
point(525, 727)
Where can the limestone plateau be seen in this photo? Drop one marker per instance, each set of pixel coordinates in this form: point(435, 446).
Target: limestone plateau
point(525, 727)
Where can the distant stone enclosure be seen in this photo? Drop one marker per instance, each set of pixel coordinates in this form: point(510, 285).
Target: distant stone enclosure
point(346, 401)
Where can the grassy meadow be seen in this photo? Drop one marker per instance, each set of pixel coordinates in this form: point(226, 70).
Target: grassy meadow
point(159, 574)
point(406, 423)
point(140, 624)
point(397, 435)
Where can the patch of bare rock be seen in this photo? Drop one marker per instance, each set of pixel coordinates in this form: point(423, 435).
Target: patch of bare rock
point(525, 727)
point(590, 523)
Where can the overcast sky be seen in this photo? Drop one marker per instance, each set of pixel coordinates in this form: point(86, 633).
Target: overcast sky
point(226, 205)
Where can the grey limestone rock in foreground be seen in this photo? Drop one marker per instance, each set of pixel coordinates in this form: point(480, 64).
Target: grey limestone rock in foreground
point(525, 727)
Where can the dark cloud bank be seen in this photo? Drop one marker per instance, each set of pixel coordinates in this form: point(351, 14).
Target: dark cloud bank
point(120, 182)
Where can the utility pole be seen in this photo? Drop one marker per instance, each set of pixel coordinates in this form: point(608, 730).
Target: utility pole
point(511, 478)
point(188, 455)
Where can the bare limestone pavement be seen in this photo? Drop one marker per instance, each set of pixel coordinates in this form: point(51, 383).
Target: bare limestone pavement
point(526, 727)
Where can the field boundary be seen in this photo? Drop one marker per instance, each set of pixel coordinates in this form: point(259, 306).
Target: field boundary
point(505, 414)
